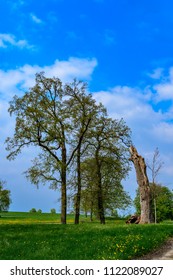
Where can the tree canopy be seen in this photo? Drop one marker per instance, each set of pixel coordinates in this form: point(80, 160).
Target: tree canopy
point(5, 199)
point(65, 122)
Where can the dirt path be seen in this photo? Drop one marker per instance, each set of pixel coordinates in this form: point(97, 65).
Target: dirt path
point(165, 252)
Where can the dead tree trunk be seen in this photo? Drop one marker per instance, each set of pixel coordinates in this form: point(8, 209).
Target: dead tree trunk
point(143, 183)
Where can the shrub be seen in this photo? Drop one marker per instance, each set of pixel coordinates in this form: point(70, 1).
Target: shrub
point(39, 211)
point(53, 211)
point(33, 210)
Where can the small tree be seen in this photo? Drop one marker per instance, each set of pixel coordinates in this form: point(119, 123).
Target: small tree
point(5, 199)
point(33, 210)
point(112, 172)
point(164, 203)
point(53, 211)
point(155, 167)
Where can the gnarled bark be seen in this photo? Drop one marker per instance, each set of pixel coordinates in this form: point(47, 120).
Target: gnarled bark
point(143, 183)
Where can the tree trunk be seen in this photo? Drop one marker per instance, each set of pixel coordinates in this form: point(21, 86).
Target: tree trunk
point(155, 212)
point(100, 206)
point(63, 199)
point(63, 188)
point(91, 215)
point(91, 206)
point(78, 197)
point(143, 183)
point(99, 193)
point(151, 210)
point(154, 201)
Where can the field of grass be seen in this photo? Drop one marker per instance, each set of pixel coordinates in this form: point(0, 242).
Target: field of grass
point(27, 217)
point(25, 236)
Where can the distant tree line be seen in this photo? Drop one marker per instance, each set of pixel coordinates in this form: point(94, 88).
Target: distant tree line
point(82, 150)
point(33, 210)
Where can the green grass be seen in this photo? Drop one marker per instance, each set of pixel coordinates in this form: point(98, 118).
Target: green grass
point(26, 217)
point(41, 236)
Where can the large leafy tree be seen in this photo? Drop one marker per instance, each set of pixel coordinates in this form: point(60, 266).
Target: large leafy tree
point(5, 199)
point(41, 120)
point(108, 140)
point(55, 118)
point(67, 125)
point(46, 118)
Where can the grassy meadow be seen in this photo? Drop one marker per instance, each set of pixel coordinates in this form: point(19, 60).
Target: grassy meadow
point(34, 236)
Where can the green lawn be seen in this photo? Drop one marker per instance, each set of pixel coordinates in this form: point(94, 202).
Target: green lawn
point(41, 236)
point(26, 217)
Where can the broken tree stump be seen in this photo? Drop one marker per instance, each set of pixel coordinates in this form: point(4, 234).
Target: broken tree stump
point(143, 183)
point(134, 219)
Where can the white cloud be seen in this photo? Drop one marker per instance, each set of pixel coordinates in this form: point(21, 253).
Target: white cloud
point(126, 102)
point(164, 89)
point(74, 67)
point(150, 128)
point(7, 40)
point(24, 77)
point(35, 19)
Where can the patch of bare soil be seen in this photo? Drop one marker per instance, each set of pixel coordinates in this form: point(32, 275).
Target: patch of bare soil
point(165, 252)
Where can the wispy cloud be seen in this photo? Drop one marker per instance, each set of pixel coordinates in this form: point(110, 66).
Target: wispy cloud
point(15, 5)
point(35, 19)
point(156, 74)
point(7, 40)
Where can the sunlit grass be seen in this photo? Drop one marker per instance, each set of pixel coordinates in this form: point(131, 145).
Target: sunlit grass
point(27, 218)
point(32, 237)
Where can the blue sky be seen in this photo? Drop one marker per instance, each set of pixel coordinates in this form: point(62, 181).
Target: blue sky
point(123, 49)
